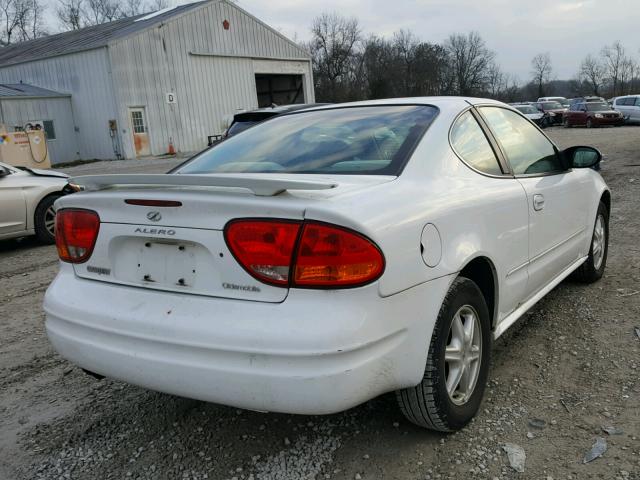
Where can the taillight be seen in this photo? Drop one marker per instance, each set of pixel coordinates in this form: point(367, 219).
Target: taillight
point(329, 256)
point(304, 254)
point(263, 247)
point(76, 233)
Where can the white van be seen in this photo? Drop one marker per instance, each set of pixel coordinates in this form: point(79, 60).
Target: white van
point(629, 106)
point(561, 100)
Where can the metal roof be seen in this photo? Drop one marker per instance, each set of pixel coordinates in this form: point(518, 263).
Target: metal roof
point(86, 38)
point(17, 90)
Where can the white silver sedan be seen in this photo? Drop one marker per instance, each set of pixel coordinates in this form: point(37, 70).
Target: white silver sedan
point(325, 257)
point(26, 201)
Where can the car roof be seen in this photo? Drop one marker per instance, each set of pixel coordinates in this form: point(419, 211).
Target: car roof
point(443, 103)
point(268, 112)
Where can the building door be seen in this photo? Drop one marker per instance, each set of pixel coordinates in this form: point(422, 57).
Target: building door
point(140, 131)
point(279, 89)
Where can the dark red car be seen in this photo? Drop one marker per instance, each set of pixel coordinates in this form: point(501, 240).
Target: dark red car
point(592, 114)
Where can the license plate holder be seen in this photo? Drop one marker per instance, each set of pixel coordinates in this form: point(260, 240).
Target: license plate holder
point(168, 264)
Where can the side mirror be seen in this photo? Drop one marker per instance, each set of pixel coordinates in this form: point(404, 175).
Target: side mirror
point(582, 157)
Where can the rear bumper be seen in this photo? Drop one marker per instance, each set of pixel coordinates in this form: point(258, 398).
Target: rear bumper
point(317, 352)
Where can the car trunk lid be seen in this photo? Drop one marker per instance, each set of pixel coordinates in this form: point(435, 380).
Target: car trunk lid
point(168, 235)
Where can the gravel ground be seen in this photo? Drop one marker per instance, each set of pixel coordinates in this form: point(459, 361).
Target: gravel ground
point(569, 368)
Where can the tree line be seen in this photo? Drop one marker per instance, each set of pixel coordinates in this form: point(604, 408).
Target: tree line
point(23, 20)
point(348, 65)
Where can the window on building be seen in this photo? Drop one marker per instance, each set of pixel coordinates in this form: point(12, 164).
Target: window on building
point(137, 121)
point(49, 130)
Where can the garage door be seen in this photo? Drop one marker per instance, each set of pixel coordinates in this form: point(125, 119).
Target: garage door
point(279, 89)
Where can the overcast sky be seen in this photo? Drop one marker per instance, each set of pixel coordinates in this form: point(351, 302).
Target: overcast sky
point(515, 29)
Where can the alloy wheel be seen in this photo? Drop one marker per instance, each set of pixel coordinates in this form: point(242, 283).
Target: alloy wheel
point(599, 242)
point(463, 354)
point(50, 220)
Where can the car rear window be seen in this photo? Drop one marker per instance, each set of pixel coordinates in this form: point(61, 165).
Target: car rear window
point(367, 140)
point(597, 107)
point(551, 105)
point(238, 127)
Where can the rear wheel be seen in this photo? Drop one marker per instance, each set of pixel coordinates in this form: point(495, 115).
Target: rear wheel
point(453, 384)
point(45, 219)
point(593, 267)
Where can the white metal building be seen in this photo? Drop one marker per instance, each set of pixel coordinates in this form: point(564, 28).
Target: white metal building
point(23, 105)
point(174, 76)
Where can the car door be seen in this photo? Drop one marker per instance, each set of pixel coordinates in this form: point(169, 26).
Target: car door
point(619, 104)
point(634, 109)
point(505, 214)
point(570, 115)
point(581, 114)
point(13, 214)
point(557, 218)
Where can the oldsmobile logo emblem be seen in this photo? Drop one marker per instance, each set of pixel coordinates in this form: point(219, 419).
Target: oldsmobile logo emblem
point(154, 216)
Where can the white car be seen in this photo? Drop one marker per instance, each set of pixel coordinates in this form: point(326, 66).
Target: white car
point(629, 106)
point(561, 100)
point(325, 257)
point(532, 113)
point(27, 197)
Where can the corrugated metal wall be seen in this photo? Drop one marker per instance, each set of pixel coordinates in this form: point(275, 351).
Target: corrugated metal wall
point(18, 111)
point(210, 70)
point(86, 76)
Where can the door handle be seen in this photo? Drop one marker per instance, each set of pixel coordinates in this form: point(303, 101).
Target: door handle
point(538, 202)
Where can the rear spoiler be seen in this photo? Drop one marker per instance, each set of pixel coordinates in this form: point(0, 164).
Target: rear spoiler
point(261, 186)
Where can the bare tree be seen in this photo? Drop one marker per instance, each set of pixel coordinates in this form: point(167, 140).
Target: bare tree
point(593, 72)
point(69, 14)
point(21, 20)
point(96, 12)
point(496, 81)
point(469, 61)
point(154, 5)
point(614, 57)
point(333, 48)
point(627, 71)
point(541, 70)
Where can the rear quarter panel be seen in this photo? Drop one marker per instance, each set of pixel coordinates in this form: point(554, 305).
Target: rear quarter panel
point(475, 216)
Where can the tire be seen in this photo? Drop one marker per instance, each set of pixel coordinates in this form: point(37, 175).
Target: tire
point(565, 123)
point(593, 267)
point(589, 123)
point(44, 219)
point(429, 403)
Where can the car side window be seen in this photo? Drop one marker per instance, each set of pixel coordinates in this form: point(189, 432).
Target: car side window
point(528, 151)
point(637, 104)
point(470, 142)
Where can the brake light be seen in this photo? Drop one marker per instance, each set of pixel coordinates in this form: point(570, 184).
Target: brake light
point(329, 256)
point(76, 234)
point(304, 254)
point(263, 247)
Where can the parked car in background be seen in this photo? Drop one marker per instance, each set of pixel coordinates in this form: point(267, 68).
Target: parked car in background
point(629, 106)
point(243, 120)
point(26, 201)
point(587, 99)
point(561, 100)
point(322, 258)
point(592, 114)
point(552, 110)
point(532, 113)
